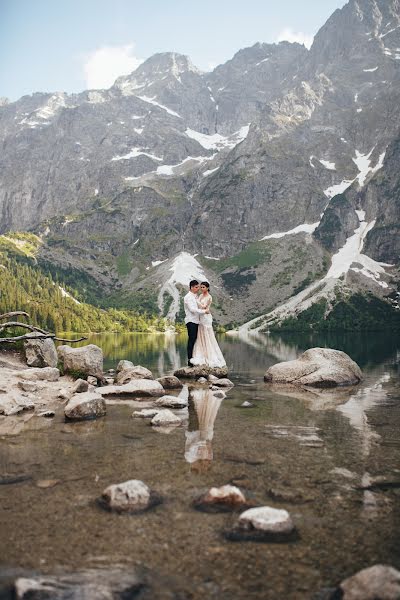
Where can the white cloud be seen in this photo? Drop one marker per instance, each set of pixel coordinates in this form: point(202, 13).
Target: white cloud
point(289, 35)
point(104, 65)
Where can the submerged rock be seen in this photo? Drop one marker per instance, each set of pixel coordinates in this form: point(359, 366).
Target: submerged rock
point(263, 524)
point(201, 371)
point(379, 582)
point(92, 584)
point(145, 413)
point(87, 359)
point(222, 499)
point(130, 496)
point(319, 367)
point(127, 374)
point(170, 382)
point(165, 418)
point(40, 352)
point(87, 405)
point(136, 387)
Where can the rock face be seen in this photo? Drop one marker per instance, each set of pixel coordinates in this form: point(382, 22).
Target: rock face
point(201, 371)
point(129, 497)
point(135, 372)
point(87, 359)
point(40, 353)
point(136, 387)
point(170, 382)
point(379, 582)
point(225, 498)
point(86, 405)
point(319, 367)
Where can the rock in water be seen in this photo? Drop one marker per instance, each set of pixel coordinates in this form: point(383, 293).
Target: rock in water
point(379, 582)
point(165, 418)
point(87, 405)
point(145, 413)
point(201, 371)
point(40, 352)
point(263, 524)
point(319, 367)
point(138, 372)
point(172, 402)
point(130, 496)
point(136, 387)
point(87, 359)
point(224, 382)
point(222, 499)
point(170, 382)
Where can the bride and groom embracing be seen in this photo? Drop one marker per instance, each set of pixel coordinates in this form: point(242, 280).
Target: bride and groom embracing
point(202, 348)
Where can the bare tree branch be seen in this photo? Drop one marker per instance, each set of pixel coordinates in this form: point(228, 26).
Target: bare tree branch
point(23, 325)
point(71, 341)
point(15, 313)
point(37, 332)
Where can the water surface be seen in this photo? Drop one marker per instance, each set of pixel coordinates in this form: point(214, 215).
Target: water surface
point(310, 453)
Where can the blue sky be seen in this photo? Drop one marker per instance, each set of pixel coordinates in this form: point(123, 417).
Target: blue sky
point(70, 45)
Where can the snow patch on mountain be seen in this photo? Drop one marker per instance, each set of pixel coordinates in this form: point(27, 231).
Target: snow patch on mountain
point(218, 141)
point(134, 153)
point(305, 228)
point(162, 106)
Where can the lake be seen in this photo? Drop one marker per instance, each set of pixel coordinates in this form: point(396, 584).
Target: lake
point(315, 454)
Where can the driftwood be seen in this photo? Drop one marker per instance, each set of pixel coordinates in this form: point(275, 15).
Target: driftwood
point(36, 332)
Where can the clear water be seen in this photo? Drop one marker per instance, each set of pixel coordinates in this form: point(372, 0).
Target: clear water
point(316, 474)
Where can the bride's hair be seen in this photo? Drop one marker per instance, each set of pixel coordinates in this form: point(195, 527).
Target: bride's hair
point(206, 284)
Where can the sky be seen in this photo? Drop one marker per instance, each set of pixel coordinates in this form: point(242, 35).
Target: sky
point(73, 45)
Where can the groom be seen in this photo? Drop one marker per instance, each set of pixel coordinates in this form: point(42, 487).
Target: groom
point(192, 316)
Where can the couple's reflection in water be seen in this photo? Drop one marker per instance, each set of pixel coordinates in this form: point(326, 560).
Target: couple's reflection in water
point(203, 409)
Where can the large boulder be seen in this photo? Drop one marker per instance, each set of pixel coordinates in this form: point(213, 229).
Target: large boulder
point(136, 387)
point(135, 372)
point(201, 371)
point(40, 352)
point(86, 405)
point(379, 582)
point(130, 496)
point(319, 367)
point(87, 360)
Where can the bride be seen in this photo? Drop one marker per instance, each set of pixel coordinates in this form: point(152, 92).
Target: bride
point(206, 350)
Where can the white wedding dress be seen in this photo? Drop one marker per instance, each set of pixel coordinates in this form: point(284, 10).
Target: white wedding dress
point(206, 350)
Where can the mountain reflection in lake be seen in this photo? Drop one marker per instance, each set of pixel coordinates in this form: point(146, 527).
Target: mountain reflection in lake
point(329, 457)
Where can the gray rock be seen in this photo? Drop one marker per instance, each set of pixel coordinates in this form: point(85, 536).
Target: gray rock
point(165, 418)
point(64, 394)
point(136, 372)
point(87, 359)
point(136, 387)
point(319, 367)
point(145, 413)
point(14, 402)
point(40, 352)
point(217, 393)
point(80, 386)
point(28, 386)
point(212, 378)
point(379, 582)
point(45, 374)
point(202, 380)
point(124, 364)
point(87, 405)
point(247, 404)
point(264, 524)
point(172, 402)
point(110, 380)
point(48, 414)
point(129, 497)
point(224, 382)
point(200, 371)
point(92, 380)
point(170, 382)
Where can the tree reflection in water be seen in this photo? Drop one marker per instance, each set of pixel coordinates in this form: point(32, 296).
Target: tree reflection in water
point(203, 409)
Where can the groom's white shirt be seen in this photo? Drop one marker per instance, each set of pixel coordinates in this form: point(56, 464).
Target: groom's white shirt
point(192, 311)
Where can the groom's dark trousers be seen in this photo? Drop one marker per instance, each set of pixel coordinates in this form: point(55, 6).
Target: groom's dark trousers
point(192, 329)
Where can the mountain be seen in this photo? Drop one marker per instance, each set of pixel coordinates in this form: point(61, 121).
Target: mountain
point(258, 176)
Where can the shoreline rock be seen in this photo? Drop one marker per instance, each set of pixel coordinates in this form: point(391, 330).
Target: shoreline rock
point(86, 359)
point(84, 406)
point(317, 367)
point(40, 352)
point(201, 371)
point(135, 387)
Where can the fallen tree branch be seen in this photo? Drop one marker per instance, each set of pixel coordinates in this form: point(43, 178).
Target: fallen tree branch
point(23, 325)
point(41, 336)
point(16, 313)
